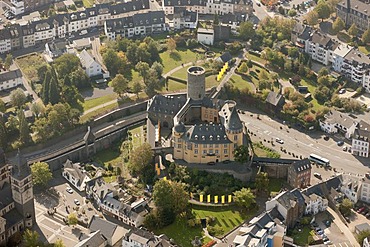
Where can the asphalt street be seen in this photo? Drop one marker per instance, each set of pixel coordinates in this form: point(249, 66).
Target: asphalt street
point(302, 144)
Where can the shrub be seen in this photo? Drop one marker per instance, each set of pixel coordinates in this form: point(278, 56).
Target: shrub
point(215, 230)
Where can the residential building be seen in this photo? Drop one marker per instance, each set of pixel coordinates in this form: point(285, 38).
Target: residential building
point(267, 227)
point(360, 139)
point(335, 121)
point(16, 7)
point(192, 5)
point(290, 204)
point(5, 40)
point(17, 211)
point(91, 66)
point(339, 55)
point(275, 102)
point(131, 211)
point(299, 173)
point(112, 232)
point(366, 242)
point(315, 204)
point(354, 11)
point(365, 189)
point(362, 227)
point(94, 239)
point(351, 186)
point(355, 66)
point(75, 175)
point(80, 44)
point(10, 79)
point(183, 18)
point(300, 34)
point(206, 36)
point(55, 49)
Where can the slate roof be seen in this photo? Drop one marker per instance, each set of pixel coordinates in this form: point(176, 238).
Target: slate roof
point(169, 105)
point(10, 75)
point(12, 217)
point(181, 12)
point(86, 59)
point(20, 169)
point(226, 57)
point(120, 24)
point(362, 131)
point(93, 239)
point(362, 7)
point(141, 236)
point(206, 134)
point(107, 228)
point(128, 7)
point(323, 40)
point(149, 18)
point(275, 99)
point(336, 117)
point(229, 116)
point(302, 31)
point(185, 2)
point(301, 165)
point(75, 170)
point(355, 56)
point(288, 199)
point(6, 196)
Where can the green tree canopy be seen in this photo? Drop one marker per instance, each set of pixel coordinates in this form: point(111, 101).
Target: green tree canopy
point(18, 98)
point(353, 30)
point(54, 95)
point(120, 85)
point(241, 154)
point(31, 238)
point(2, 106)
point(362, 235)
point(244, 197)
point(366, 36)
point(171, 44)
point(24, 130)
point(143, 69)
point(292, 12)
point(66, 64)
point(3, 134)
point(8, 60)
point(59, 243)
point(323, 10)
point(262, 181)
point(243, 68)
point(338, 25)
point(41, 173)
point(140, 159)
point(158, 68)
point(170, 195)
point(346, 206)
point(312, 18)
point(246, 30)
point(112, 61)
point(72, 219)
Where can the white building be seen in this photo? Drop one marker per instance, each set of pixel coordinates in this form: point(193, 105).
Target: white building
point(360, 140)
point(315, 204)
point(5, 41)
point(351, 186)
point(183, 18)
point(366, 242)
point(89, 64)
point(10, 79)
point(206, 36)
point(336, 121)
point(338, 56)
point(13, 6)
point(75, 175)
point(355, 66)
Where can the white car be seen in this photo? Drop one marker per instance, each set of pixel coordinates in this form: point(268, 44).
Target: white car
point(278, 140)
point(69, 190)
point(318, 175)
point(77, 202)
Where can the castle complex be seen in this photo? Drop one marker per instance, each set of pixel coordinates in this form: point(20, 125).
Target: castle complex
point(203, 130)
point(17, 210)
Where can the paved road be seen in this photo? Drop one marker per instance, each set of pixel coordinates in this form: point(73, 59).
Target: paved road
point(260, 12)
point(303, 144)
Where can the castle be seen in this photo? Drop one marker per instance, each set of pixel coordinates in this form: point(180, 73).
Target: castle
point(17, 210)
point(203, 130)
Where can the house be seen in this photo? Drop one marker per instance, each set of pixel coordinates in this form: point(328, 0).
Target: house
point(91, 66)
point(362, 227)
point(94, 239)
point(351, 187)
point(75, 175)
point(354, 12)
point(80, 44)
point(55, 49)
point(366, 242)
point(149, 23)
point(275, 101)
point(205, 36)
point(360, 139)
point(10, 79)
point(124, 27)
point(290, 204)
point(300, 34)
point(355, 66)
point(335, 121)
point(299, 173)
point(183, 18)
point(225, 57)
point(5, 40)
point(113, 233)
point(267, 227)
point(15, 7)
point(315, 204)
point(139, 238)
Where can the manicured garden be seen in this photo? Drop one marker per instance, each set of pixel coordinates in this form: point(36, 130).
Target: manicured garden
point(177, 58)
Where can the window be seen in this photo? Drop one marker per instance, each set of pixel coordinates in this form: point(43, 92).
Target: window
point(204, 145)
point(204, 151)
point(195, 151)
point(225, 151)
point(178, 145)
point(235, 137)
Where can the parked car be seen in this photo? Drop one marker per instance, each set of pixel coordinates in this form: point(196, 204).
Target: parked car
point(365, 212)
point(342, 91)
point(361, 209)
point(340, 143)
point(211, 163)
point(278, 140)
point(326, 138)
point(69, 190)
point(344, 148)
point(77, 202)
point(318, 175)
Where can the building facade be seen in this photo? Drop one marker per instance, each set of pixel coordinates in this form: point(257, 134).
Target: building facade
point(335, 121)
point(299, 174)
point(354, 12)
point(10, 79)
point(360, 140)
point(75, 175)
point(315, 204)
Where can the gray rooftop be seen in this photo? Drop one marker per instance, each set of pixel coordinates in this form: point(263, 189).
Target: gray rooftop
point(229, 116)
point(107, 228)
point(10, 75)
point(301, 165)
point(356, 5)
point(275, 99)
point(169, 105)
point(206, 134)
point(20, 169)
point(355, 56)
point(336, 117)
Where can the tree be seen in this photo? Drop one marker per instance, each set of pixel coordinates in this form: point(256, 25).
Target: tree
point(66, 64)
point(262, 181)
point(2, 106)
point(362, 235)
point(136, 88)
point(24, 131)
point(241, 154)
point(171, 44)
point(249, 63)
point(46, 86)
point(338, 25)
point(8, 61)
point(353, 31)
point(366, 37)
point(54, 95)
point(143, 69)
point(345, 207)
point(72, 219)
point(323, 72)
point(323, 10)
point(140, 158)
point(142, 53)
point(120, 85)
point(246, 30)
point(158, 68)
point(59, 243)
point(41, 173)
point(292, 12)
point(18, 98)
point(312, 18)
point(170, 195)
point(244, 197)
point(112, 61)
point(78, 78)
point(243, 68)
point(3, 133)
point(37, 108)
point(31, 238)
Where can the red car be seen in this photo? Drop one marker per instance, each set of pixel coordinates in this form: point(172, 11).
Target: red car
point(360, 210)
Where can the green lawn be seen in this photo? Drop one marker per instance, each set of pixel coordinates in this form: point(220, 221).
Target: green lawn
point(88, 3)
point(255, 58)
point(275, 184)
point(183, 56)
point(181, 73)
point(226, 217)
point(30, 64)
point(98, 112)
point(174, 86)
point(211, 81)
point(311, 89)
point(301, 238)
point(107, 156)
point(137, 136)
point(365, 49)
point(88, 104)
point(240, 83)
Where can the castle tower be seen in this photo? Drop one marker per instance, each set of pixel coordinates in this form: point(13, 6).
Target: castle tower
point(233, 124)
point(196, 83)
point(22, 189)
point(177, 132)
point(4, 169)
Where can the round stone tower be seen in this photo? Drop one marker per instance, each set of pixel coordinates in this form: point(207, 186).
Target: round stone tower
point(196, 82)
